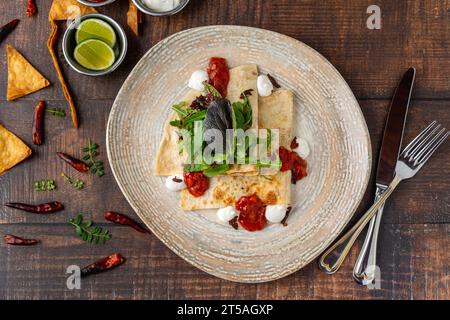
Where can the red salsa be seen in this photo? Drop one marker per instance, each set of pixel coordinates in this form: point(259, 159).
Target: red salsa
point(290, 160)
point(252, 212)
point(196, 182)
point(218, 74)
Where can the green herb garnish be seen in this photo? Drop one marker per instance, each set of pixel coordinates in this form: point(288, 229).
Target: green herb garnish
point(210, 89)
point(96, 166)
point(88, 232)
point(44, 185)
point(76, 183)
point(56, 112)
point(243, 113)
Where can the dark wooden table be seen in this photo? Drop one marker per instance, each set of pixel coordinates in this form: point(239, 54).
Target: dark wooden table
point(414, 249)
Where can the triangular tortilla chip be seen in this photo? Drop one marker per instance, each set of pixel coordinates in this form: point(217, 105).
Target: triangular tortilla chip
point(12, 150)
point(134, 17)
point(23, 78)
point(68, 9)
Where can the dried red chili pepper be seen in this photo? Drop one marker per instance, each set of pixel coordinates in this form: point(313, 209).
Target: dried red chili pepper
point(77, 164)
point(38, 124)
point(104, 264)
point(31, 8)
point(124, 220)
point(18, 241)
point(8, 28)
point(49, 207)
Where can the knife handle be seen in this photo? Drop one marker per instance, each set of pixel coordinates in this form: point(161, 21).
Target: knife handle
point(332, 258)
point(364, 269)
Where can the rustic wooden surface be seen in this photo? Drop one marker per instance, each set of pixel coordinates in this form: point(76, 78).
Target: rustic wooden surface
point(414, 248)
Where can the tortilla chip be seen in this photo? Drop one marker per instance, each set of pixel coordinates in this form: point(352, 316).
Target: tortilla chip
point(68, 9)
point(64, 10)
point(23, 78)
point(134, 17)
point(12, 150)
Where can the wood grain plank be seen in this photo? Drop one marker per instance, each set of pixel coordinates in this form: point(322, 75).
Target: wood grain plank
point(412, 263)
point(425, 199)
point(414, 33)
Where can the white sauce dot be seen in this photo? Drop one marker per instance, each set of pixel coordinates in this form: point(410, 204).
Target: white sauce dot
point(276, 213)
point(226, 214)
point(264, 85)
point(303, 149)
point(173, 183)
point(197, 79)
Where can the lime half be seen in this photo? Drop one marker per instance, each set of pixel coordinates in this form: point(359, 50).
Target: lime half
point(95, 29)
point(94, 55)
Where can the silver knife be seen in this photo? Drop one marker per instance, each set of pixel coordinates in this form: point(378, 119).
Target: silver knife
point(364, 271)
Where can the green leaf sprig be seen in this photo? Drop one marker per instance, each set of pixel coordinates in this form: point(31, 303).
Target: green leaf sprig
point(76, 183)
point(56, 112)
point(96, 166)
point(212, 90)
point(88, 232)
point(44, 185)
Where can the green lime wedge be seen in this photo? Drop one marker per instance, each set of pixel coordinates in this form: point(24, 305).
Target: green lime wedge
point(95, 29)
point(94, 55)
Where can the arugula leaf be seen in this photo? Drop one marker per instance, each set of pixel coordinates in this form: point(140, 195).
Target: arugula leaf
point(195, 167)
point(180, 109)
point(210, 89)
point(243, 113)
point(216, 169)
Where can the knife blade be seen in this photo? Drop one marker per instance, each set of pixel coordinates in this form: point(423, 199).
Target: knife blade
point(393, 130)
point(364, 271)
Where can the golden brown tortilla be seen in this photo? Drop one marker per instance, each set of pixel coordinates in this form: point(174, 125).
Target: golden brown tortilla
point(12, 150)
point(23, 78)
point(226, 190)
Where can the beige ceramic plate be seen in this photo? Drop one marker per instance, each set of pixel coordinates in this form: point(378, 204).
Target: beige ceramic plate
point(326, 114)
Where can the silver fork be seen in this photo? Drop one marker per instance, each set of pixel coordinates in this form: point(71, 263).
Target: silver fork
point(413, 157)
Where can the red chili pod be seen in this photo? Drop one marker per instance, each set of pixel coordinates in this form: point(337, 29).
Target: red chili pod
point(124, 220)
point(18, 241)
point(102, 265)
point(49, 207)
point(31, 8)
point(77, 164)
point(38, 124)
point(8, 28)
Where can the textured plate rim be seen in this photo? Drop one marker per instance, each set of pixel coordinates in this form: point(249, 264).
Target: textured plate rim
point(330, 239)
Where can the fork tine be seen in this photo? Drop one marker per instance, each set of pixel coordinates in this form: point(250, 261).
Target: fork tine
point(422, 141)
point(427, 156)
point(413, 143)
point(428, 145)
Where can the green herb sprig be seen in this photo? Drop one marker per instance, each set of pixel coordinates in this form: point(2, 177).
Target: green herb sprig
point(96, 166)
point(76, 183)
point(88, 232)
point(56, 112)
point(44, 185)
